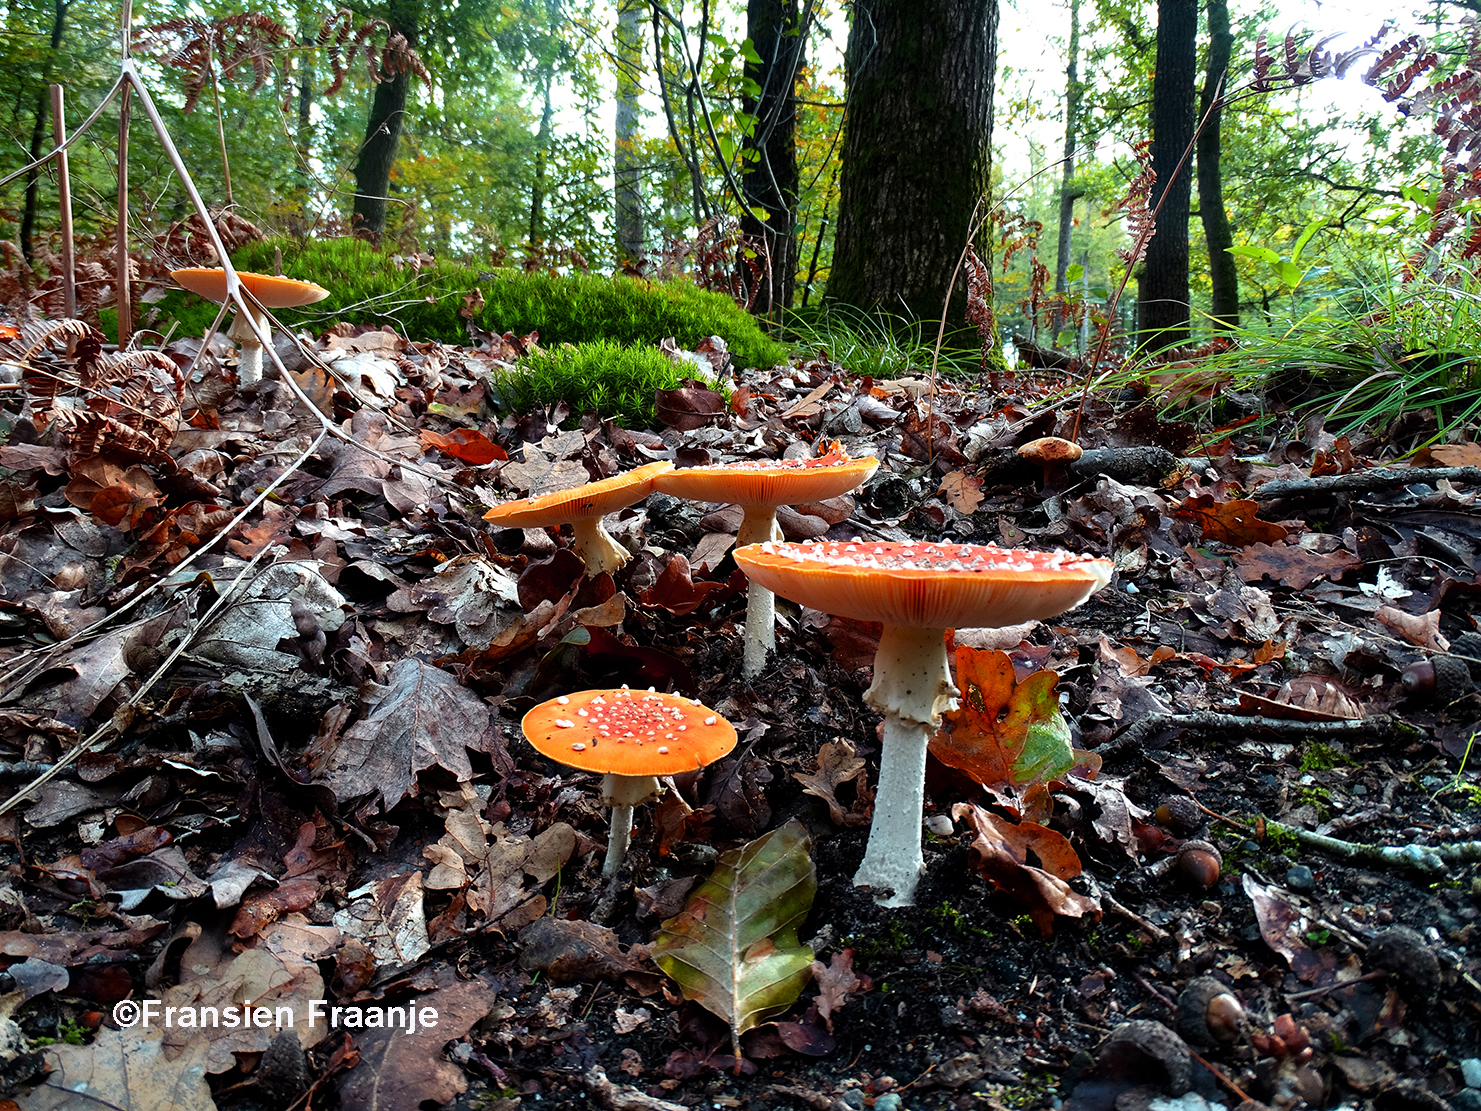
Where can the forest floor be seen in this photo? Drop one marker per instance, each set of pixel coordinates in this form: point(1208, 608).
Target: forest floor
point(248, 799)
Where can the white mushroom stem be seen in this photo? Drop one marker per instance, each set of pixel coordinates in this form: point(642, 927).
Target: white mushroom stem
point(249, 364)
point(595, 546)
point(622, 793)
point(757, 527)
point(912, 687)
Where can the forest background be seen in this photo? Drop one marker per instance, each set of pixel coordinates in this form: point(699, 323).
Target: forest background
point(571, 133)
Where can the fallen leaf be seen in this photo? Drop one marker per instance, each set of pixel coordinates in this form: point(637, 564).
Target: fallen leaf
point(469, 445)
point(131, 1068)
point(388, 917)
point(734, 950)
point(1284, 925)
point(1422, 629)
point(1229, 522)
point(962, 491)
point(836, 981)
point(837, 764)
point(1000, 852)
point(1292, 565)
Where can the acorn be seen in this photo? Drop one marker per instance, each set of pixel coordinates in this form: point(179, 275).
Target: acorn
point(1209, 1013)
point(1200, 863)
point(1180, 814)
point(1441, 679)
point(1148, 1053)
point(1410, 961)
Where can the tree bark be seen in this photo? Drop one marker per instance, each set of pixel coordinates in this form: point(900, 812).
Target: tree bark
point(916, 151)
point(1163, 309)
point(383, 130)
point(542, 160)
point(1073, 96)
point(1217, 232)
point(626, 172)
point(38, 134)
point(769, 177)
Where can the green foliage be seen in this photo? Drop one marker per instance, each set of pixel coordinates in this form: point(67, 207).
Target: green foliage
point(1317, 757)
point(374, 287)
point(876, 344)
point(602, 377)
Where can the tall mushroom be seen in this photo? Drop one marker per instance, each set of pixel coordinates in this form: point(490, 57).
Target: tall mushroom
point(918, 591)
point(269, 291)
point(583, 507)
point(758, 487)
point(631, 738)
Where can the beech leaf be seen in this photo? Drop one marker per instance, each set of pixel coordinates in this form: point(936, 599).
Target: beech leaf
point(1004, 734)
point(734, 949)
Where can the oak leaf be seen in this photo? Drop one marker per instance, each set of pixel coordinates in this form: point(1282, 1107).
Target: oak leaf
point(962, 491)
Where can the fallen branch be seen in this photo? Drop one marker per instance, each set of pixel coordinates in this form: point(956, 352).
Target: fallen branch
point(624, 1097)
point(1427, 860)
point(1361, 482)
point(1211, 721)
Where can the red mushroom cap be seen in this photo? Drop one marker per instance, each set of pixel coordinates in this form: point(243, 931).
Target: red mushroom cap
point(593, 499)
point(271, 291)
point(627, 732)
point(770, 481)
point(926, 586)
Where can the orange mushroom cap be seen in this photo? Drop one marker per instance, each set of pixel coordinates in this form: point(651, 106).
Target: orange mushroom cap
point(271, 291)
point(926, 586)
point(592, 499)
point(770, 481)
point(628, 732)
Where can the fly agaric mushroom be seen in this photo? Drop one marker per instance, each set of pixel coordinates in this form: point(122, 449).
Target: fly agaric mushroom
point(918, 591)
point(758, 487)
point(269, 291)
point(632, 738)
point(583, 507)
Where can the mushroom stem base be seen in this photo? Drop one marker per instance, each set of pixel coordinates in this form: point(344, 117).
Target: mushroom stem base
point(894, 858)
point(594, 544)
point(618, 838)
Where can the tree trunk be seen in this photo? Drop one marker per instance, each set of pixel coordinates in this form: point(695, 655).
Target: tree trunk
point(626, 173)
point(916, 151)
point(1164, 311)
point(38, 134)
point(769, 177)
point(383, 131)
point(1216, 230)
point(542, 159)
point(1073, 95)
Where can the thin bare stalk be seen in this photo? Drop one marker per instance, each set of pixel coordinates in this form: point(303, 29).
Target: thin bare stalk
point(64, 190)
point(125, 307)
point(220, 125)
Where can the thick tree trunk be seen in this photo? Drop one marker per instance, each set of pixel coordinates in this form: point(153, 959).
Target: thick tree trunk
point(769, 183)
point(916, 151)
point(1163, 306)
point(383, 130)
point(626, 172)
point(1216, 230)
point(1073, 95)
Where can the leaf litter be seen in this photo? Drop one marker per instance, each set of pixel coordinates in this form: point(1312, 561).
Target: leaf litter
point(309, 784)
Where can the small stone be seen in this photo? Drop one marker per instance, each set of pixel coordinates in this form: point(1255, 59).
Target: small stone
point(854, 1098)
point(1249, 846)
point(1300, 878)
point(888, 1102)
point(1359, 790)
point(1467, 1099)
point(940, 825)
point(1470, 1068)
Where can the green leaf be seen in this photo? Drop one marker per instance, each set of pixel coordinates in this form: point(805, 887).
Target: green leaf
point(1311, 229)
point(748, 52)
point(734, 949)
point(727, 147)
point(1290, 274)
point(1074, 272)
point(1265, 254)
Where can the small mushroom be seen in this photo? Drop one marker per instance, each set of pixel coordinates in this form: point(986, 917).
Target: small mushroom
point(918, 591)
point(631, 738)
point(583, 507)
point(1209, 1013)
point(759, 487)
point(267, 290)
point(1051, 455)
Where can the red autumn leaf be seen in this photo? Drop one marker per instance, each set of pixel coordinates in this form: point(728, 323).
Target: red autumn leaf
point(677, 592)
point(1000, 852)
point(1230, 522)
point(467, 444)
point(121, 506)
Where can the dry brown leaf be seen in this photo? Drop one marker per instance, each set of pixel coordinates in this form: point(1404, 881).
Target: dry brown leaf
point(836, 981)
point(1229, 522)
point(999, 853)
point(1292, 565)
point(131, 1067)
point(963, 492)
point(1422, 629)
point(837, 764)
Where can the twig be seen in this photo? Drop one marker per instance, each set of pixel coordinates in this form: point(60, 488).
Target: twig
point(1211, 721)
point(1107, 900)
point(1379, 478)
point(1316, 993)
point(623, 1097)
point(1219, 1076)
point(1426, 860)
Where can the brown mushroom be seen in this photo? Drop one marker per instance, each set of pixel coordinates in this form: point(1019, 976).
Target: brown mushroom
point(251, 325)
point(1050, 454)
point(631, 738)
